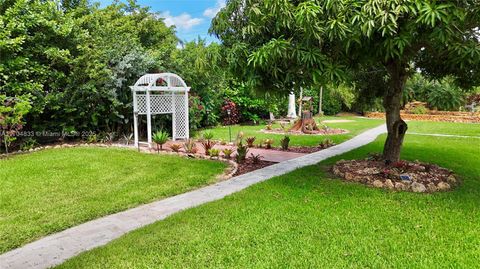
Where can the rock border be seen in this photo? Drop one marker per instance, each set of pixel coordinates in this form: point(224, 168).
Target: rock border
point(449, 182)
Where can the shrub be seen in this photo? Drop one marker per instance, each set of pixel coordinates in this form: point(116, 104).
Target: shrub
point(326, 143)
point(234, 116)
point(446, 95)
point(250, 140)
point(28, 144)
point(242, 152)
point(227, 153)
point(175, 147)
point(92, 138)
point(207, 142)
point(256, 158)
point(284, 142)
point(160, 137)
point(190, 146)
point(268, 143)
point(419, 110)
point(214, 153)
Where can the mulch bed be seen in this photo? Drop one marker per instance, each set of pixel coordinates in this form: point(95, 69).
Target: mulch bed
point(249, 166)
point(445, 116)
point(401, 176)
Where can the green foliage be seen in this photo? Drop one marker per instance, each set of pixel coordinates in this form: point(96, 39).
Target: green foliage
point(256, 158)
point(12, 114)
point(446, 96)
point(28, 144)
point(77, 63)
point(207, 135)
point(284, 142)
point(214, 153)
point(242, 151)
point(419, 110)
point(160, 137)
point(227, 153)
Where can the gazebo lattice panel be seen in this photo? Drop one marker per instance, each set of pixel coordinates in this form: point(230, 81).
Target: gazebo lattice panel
point(163, 93)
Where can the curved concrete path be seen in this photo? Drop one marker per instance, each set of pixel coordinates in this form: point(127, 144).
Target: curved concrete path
point(56, 248)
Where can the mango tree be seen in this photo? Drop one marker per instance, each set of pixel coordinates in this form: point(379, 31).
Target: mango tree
point(304, 41)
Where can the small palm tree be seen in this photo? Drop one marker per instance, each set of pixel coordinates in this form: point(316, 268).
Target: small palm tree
point(160, 138)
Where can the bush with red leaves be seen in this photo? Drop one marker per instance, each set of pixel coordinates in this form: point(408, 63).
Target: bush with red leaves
point(234, 116)
point(474, 98)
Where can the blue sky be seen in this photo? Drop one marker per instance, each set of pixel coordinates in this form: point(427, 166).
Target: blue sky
point(191, 17)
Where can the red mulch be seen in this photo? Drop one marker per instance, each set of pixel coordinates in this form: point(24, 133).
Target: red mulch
point(249, 166)
point(424, 177)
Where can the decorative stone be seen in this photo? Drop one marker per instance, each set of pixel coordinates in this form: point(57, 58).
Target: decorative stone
point(349, 176)
point(443, 186)
point(452, 179)
point(377, 184)
point(389, 184)
point(418, 187)
point(401, 186)
point(431, 187)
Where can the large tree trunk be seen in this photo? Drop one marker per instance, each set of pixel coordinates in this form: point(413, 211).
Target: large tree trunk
point(392, 102)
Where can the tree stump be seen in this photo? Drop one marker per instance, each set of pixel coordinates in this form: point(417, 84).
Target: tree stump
point(306, 124)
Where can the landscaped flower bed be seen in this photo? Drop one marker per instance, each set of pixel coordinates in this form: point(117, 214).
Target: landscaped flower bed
point(401, 176)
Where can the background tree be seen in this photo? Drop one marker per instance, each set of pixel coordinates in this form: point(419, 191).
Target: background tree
point(284, 39)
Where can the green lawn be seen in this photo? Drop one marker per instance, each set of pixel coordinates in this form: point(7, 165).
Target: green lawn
point(357, 126)
point(51, 190)
point(451, 128)
point(305, 219)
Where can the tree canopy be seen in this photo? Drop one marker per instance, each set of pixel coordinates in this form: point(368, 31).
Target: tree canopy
point(307, 41)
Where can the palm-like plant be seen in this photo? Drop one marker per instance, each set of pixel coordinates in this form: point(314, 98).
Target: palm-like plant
point(160, 137)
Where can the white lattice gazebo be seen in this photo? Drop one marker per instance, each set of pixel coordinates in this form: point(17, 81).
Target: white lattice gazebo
point(162, 93)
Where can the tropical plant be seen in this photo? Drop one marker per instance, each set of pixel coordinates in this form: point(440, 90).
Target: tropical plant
point(207, 141)
point(255, 158)
point(284, 142)
point(268, 143)
point(128, 138)
point(214, 153)
point(190, 146)
point(326, 143)
point(242, 152)
point(250, 140)
point(175, 147)
point(160, 137)
point(227, 153)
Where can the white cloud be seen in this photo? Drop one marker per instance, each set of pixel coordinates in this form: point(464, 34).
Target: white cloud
point(212, 11)
point(183, 21)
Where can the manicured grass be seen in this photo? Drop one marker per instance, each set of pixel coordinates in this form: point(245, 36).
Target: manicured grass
point(451, 128)
point(50, 190)
point(305, 219)
point(357, 126)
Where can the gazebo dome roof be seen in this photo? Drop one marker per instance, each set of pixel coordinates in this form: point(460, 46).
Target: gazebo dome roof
point(160, 81)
